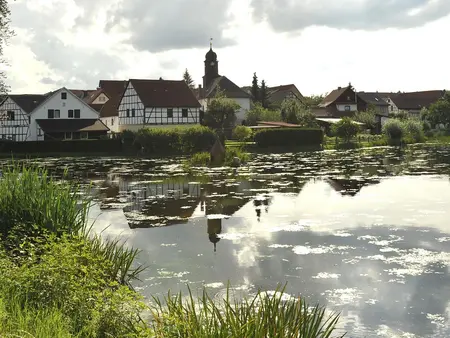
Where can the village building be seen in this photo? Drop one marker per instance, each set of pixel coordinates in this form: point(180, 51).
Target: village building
point(157, 103)
point(212, 82)
point(411, 102)
point(109, 111)
point(56, 115)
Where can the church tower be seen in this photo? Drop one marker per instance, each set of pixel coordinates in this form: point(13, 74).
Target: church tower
point(211, 67)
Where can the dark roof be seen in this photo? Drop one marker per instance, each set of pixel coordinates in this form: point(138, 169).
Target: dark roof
point(83, 94)
point(372, 98)
point(29, 102)
point(279, 93)
point(114, 89)
point(332, 97)
point(417, 100)
point(229, 88)
point(67, 125)
point(97, 107)
point(165, 93)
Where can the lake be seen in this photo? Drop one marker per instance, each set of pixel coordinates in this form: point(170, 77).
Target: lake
point(364, 232)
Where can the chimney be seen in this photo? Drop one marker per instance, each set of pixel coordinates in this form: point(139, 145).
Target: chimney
point(160, 78)
point(199, 86)
point(339, 88)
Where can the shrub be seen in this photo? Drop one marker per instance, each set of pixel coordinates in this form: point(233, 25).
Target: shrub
point(200, 159)
point(288, 137)
point(232, 152)
point(346, 129)
point(367, 118)
point(414, 128)
point(258, 113)
point(394, 129)
point(242, 133)
point(174, 140)
point(67, 277)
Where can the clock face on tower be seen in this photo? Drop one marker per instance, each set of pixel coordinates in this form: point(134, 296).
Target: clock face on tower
point(212, 63)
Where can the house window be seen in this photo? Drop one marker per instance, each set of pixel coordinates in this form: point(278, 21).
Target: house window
point(84, 135)
point(63, 96)
point(11, 116)
point(51, 113)
point(184, 112)
point(128, 112)
point(77, 113)
point(39, 132)
point(169, 112)
point(112, 121)
point(68, 135)
point(29, 119)
point(133, 112)
point(57, 114)
point(348, 98)
point(70, 113)
point(347, 108)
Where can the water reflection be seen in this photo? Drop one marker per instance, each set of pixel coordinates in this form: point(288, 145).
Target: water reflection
point(365, 232)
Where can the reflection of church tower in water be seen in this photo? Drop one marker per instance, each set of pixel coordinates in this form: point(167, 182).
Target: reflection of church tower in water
point(214, 229)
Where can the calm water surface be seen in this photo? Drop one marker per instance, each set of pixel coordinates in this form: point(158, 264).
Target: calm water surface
point(366, 232)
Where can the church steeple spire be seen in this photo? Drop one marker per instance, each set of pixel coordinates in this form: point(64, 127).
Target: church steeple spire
point(211, 66)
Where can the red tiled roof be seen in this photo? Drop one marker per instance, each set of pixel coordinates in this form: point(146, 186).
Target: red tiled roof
point(114, 89)
point(332, 97)
point(165, 93)
point(279, 124)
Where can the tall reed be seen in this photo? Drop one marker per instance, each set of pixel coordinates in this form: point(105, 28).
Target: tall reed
point(261, 316)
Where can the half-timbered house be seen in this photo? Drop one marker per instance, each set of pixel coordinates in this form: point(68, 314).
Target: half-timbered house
point(157, 103)
point(15, 116)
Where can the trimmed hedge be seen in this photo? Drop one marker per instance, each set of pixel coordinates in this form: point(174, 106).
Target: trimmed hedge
point(69, 146)
point(288, 137)
point(171, 140)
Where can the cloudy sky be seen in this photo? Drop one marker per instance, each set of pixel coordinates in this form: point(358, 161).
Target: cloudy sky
point(317, 45)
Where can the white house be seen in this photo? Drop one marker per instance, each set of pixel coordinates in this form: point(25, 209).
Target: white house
point(212, 81)
point(53, 116)
point(157, 103)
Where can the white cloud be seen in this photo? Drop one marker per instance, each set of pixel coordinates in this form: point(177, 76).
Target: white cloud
point(74, 52)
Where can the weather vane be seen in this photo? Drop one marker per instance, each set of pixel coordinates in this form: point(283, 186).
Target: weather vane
point(210, 42)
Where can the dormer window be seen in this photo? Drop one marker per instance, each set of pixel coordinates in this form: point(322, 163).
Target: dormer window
point(63, 96)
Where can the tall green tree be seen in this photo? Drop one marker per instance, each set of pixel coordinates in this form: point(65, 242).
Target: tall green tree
point(188, 79)
point(5, 34)
point(255, 89)
point(439, 112)
point(221, 112)
point(313, 100)
point(264, 95)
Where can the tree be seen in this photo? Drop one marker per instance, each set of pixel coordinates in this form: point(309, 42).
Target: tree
point(5, 34)
point(313, 100)
point(221, 112)
point(293, 111)
point(188, 79)
point(255, 89)
point(259, 113)
point(346, 129)
point(264, 95)
point(439, 112)
point(367, 118)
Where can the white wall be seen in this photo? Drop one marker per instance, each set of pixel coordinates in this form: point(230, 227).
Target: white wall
point(112, 123)
point(245, 106)
point(341, 107)
point(17, 129)
point(133, 115)
point(56, 102)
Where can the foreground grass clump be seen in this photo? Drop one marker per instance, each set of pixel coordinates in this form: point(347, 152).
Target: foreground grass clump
point(53, 270)
point(264, 315)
